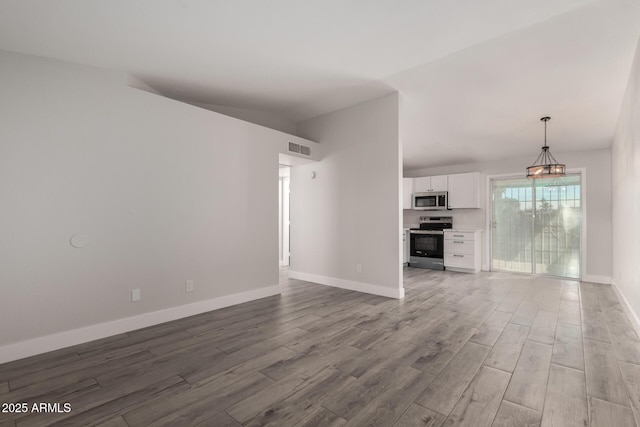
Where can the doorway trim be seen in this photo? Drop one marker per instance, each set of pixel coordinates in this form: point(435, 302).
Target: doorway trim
point(284, 182)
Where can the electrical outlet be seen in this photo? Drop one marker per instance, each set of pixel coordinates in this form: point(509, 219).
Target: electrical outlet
point(136, 295)
point(188, 286)
point(358, 268)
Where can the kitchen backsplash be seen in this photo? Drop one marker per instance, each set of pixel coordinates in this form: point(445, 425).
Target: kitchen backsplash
point(472, 218)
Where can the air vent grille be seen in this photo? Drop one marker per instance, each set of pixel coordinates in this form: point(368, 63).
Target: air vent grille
point(294, 148)
point(299, 149)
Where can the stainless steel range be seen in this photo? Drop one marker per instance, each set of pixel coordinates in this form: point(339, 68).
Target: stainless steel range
point(427, 242)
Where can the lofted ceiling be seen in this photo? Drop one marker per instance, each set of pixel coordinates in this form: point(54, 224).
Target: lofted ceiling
point(474, 77)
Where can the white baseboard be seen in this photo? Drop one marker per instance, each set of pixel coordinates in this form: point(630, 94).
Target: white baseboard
point(592, 278)
point(348, 284)
point(627, 308)
point(464, 270)
point(64, 339)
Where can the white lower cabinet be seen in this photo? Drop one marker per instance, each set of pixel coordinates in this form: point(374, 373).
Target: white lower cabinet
point(462, 251)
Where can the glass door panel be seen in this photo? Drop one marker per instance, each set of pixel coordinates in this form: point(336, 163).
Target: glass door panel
point(536, 225)
point(512, 225)
point(557, 226)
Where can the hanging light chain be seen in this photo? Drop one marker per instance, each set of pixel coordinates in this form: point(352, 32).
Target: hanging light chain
point(545, 120)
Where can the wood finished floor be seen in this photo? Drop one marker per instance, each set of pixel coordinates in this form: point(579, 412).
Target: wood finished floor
point(479, 350)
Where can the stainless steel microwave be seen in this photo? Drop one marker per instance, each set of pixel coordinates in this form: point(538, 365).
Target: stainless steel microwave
point(432, 201)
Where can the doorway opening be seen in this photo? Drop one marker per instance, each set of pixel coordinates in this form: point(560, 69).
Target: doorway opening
point(536, 225)
point(283, 216)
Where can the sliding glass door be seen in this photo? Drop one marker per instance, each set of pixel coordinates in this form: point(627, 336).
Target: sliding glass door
point(535, 225)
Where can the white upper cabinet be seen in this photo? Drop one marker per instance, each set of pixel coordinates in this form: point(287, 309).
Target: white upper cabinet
point(439, 183)
point(426, 184)
point(422, 184)
point(464, 190)
point(407, 191)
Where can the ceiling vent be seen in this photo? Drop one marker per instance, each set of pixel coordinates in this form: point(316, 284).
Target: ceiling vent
point(299, 149)
point(305, 151)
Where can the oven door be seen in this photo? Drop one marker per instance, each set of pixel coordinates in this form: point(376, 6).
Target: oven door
point(427, 244)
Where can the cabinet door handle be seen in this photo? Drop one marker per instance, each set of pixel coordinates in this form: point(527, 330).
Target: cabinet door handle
point(458, 235)
point(460, 256)
point(457, 241)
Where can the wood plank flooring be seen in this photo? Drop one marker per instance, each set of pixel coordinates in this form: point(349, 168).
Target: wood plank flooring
point(490, 349)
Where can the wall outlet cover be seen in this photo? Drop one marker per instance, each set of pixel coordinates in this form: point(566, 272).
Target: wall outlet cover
point(136, 295)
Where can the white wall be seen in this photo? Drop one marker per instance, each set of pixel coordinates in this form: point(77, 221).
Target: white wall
point(598, 185)
point(135, 82)
point(262, 118)
point(625, 159)
point(350, 213)
point(165, 192)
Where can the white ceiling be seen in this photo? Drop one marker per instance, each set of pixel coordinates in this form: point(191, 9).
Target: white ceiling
point(474, 77)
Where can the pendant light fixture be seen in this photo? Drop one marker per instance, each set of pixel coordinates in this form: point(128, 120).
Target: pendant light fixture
point(546, 166)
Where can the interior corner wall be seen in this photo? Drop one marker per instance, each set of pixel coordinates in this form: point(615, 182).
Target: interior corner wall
point(349, 214)
point(625, 154)
point(262, 118)
point(163, 191)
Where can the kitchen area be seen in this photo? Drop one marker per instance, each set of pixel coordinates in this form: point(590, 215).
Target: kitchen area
point(442, 222)
point(491, 221)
